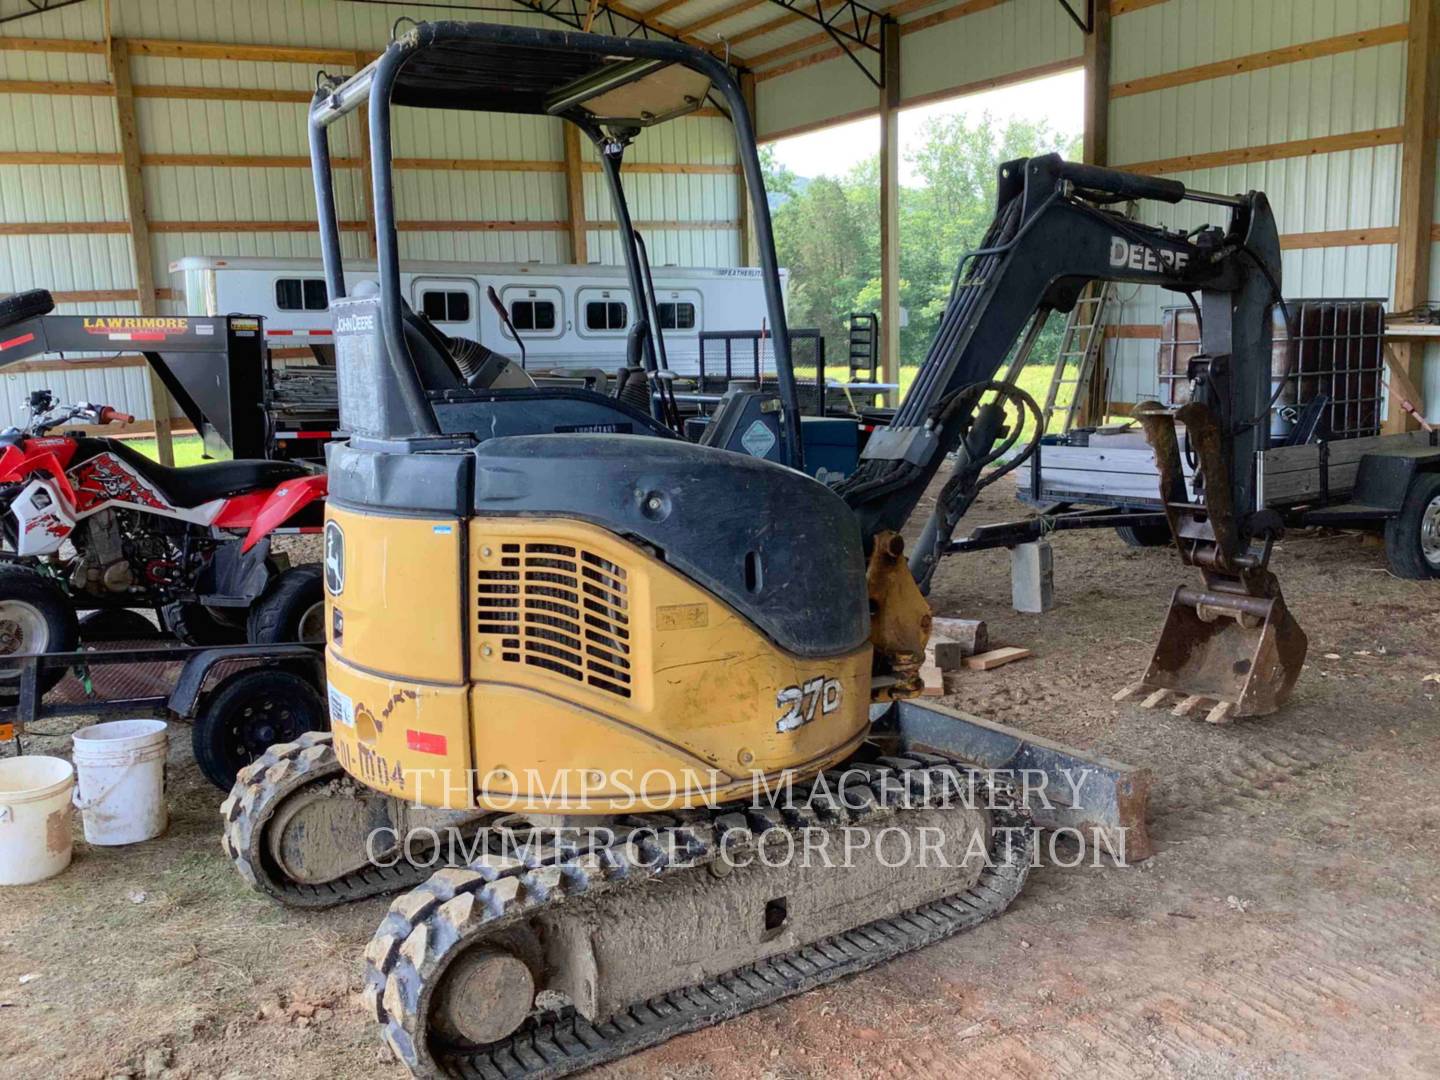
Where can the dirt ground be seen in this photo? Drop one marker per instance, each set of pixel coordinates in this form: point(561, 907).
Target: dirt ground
point(1289, 924)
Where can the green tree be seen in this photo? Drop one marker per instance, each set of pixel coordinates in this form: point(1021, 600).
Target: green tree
point(827, 229)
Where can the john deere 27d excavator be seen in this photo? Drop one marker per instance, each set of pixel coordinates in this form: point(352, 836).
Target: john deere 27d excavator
point(667, 664)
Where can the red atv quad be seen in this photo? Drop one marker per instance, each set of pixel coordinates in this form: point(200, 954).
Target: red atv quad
point(91, 523)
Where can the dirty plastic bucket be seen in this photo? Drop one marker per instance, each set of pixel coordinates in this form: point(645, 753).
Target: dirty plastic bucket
point(121, 788)
point(35, 839)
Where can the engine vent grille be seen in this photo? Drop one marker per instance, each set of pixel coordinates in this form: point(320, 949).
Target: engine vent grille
point(559, 608)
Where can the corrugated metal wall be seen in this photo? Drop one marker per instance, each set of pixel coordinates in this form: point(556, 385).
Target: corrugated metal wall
point(1337, 209)
point(938, 54)
point(210, 207)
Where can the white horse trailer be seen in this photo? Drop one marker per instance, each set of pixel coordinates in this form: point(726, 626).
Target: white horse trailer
point(566, 316)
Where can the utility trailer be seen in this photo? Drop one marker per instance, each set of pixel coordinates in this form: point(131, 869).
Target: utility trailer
point(238, 699)
point(1326, 462)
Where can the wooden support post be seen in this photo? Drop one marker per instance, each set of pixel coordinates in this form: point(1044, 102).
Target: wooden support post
point(747, 227)
point(890, 204)
point(1097, 152)
point(1417, 190)
point(1097, 87)
point(575, 196)
point(366, 181)
point(142, 259)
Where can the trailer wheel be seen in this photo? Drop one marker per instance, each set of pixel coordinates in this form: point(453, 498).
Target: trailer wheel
point(292, 608)
point(247, 714)
point(1412, 539)
point(35, 617)
point(114, 624)
point(25, 305)
point(1143, 536)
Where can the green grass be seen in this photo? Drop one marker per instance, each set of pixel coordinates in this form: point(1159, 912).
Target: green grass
point(189, 449)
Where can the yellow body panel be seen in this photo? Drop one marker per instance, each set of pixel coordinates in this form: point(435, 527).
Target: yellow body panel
point(600, 679)
point(401, 604)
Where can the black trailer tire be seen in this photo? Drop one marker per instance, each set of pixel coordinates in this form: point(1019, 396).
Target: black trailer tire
point(292, 608)
point(35, 615)
point(1143, 536)
point(115, 624)
point(25, 305)
point(1412, 538)
point(192, 624)
point(248, 713)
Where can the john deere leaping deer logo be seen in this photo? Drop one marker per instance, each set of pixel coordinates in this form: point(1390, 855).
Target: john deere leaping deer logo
point(334, 558)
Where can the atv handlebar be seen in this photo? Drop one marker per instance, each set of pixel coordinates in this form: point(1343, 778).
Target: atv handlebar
point(111, 415)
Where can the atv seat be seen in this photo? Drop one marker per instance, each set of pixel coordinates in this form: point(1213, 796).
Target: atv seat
point(195, 484)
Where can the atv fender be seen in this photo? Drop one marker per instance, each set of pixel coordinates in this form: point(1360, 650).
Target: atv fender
point(236, 576)
point(284, 503)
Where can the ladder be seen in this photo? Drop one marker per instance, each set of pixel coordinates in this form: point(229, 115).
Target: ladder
point(1080, 347)
point(864, 345)
point(1075, 361)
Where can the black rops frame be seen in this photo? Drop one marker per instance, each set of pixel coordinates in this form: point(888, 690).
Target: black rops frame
point(374, 85)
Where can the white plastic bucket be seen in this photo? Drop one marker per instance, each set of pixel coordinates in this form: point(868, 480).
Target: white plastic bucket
point(35, 839)
point(121, 788)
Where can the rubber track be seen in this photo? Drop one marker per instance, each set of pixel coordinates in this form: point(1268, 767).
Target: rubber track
point(260, 788)
point(430, 926)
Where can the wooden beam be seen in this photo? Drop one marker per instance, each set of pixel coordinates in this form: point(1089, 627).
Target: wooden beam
point(1290, 54)
point(1417, 190)
point(224, 93)
point(63, 89)
point(1246, 155)
point(667, 6)
point(225, 50)
point(57, 157)
point(890, 203)
point(52, 45)
point(1096, 151)
point(1339, 238)
point(64, 228)
point(742, 189)
point(575, 196)
point(141, 258)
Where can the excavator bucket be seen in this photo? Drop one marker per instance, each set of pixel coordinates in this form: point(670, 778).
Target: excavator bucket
point(1231, 646)
point(1242, 653)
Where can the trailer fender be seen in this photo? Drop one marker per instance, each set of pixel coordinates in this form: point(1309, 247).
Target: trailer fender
point(195, 677)
point(284, 503)
point(1383, 478)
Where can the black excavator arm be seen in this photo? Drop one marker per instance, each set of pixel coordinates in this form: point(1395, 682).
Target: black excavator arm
point(1052, 234)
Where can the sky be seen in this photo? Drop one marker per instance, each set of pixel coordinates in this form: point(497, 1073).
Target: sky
point(833, 151)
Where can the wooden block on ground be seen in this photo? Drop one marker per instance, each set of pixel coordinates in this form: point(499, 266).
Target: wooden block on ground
point(933, 679)
point(955, 639)
point(996, 657)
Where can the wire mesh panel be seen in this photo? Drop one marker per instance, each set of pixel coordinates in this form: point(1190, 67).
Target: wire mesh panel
point(726, 355)
point(1332, 349)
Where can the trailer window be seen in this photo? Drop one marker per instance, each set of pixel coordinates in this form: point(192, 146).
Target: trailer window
point(446, 306)
point(605, 315)
point(676, 314)
point(533, 314)
point(300, 294)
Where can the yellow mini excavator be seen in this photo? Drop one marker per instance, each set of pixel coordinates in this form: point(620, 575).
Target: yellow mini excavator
point(662, 691)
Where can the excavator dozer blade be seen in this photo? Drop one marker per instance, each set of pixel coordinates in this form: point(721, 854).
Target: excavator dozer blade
point(1241, 652)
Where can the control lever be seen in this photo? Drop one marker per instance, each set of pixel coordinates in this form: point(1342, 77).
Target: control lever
point(499, 306)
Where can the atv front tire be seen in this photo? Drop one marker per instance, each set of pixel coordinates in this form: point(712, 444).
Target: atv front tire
point(35, 617)
point(292, 608)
